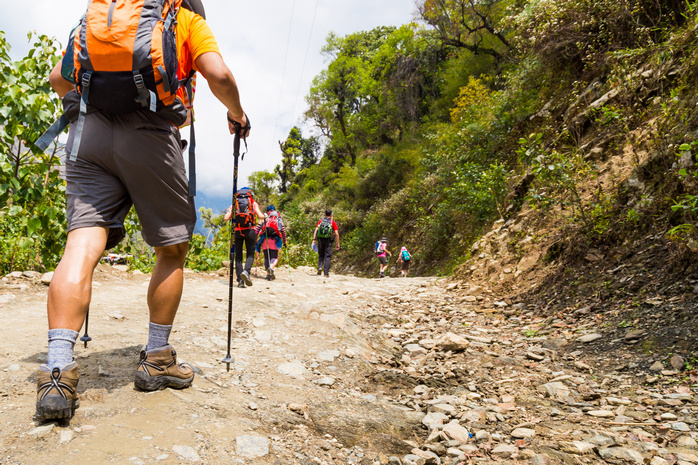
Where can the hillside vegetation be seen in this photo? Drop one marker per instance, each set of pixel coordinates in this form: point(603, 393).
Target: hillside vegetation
point(580, 114)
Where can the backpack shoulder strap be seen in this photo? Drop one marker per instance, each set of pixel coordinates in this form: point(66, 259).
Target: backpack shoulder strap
point(192, 147)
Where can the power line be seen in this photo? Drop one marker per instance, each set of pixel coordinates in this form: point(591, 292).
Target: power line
point(305, 58)
point(283, 74)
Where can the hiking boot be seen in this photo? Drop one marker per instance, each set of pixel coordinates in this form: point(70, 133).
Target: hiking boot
point(245, 276)
point(158, 369)
point(57, 397)
point(241, 284)
point(319, 271)
point(268, 277)
point(272, 276)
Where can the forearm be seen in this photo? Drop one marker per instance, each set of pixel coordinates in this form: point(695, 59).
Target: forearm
point(58, 82)
point(221, 82)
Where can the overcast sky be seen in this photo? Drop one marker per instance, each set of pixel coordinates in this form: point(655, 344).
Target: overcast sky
point(256, 38)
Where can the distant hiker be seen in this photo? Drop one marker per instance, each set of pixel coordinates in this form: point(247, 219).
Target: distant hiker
point(382, 252)
point(272, 237)
point(122, 150)
point(404, 259)
point(326, 232)
point(246, 213)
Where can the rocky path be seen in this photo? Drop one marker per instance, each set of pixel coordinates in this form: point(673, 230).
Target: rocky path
point(343, 370)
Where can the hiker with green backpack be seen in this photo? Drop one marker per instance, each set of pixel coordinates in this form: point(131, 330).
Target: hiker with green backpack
point(125, 102)
point(326, 232)
point(404, 259)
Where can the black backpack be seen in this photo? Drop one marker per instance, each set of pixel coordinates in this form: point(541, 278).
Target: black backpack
point(244, 216)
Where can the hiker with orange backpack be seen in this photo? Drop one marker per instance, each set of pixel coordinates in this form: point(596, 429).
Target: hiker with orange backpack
point(124, 100)
point(272, 237)
point(246, 213)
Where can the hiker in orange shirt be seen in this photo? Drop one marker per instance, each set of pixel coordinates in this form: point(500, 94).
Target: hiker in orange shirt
point(116, 160)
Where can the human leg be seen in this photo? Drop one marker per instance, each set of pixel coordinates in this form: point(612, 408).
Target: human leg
point(239, 242)
point(321, 250)
point(70, 290)
point(249, 238)
point(165, 289)
point(158, 367)
point(69, 297)
point(250, 241)
point(273, 261)
point(328, 257)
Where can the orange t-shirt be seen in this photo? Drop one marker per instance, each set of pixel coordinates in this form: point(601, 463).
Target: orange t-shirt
point(194, 38)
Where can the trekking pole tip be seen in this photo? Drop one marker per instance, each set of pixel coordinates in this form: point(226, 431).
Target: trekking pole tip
point(228, 360)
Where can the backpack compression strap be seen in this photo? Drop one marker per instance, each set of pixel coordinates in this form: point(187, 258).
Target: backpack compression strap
point(51, 133)
point(73, 154)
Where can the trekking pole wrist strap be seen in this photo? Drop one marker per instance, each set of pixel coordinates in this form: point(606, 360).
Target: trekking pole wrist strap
point(239, 126)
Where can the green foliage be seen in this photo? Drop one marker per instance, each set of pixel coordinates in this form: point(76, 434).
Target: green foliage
point(558, 177)
point(478, 27)
point(579, 34)
point(32, 204)
point(141, 255)
point(686, 204)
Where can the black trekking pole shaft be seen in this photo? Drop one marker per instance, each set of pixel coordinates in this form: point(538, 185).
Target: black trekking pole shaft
point(85, 338)
point(236, 155)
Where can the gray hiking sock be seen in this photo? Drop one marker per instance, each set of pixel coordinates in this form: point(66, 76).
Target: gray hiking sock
point(60, 347)
point(158, 335)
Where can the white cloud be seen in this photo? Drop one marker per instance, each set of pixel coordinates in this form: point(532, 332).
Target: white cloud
point(253, 38)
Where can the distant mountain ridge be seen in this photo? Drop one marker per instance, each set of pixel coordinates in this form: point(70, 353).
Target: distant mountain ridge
point(216, 204)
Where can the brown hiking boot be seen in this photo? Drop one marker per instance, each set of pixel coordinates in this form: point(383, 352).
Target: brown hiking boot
point(57, 397)
point(158, 369)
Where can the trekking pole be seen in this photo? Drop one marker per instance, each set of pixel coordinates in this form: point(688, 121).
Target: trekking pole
point(288, 263)
point(266, 251)
point(236, 155)
point(86, 338)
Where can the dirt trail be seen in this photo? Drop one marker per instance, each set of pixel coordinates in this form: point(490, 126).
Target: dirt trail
point(299, 324)
point(349, 370)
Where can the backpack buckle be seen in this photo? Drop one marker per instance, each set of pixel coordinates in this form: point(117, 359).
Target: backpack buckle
point(138, 79)
point(86, 77)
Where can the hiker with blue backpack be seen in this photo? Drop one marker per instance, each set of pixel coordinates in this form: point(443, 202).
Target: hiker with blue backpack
point(326, 232)
point(272, 237)
point(382, 252)
point(404, 259)
point(125, 103)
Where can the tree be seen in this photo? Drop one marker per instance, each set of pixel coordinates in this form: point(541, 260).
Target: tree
point(340, 93)
point(474, 25)
point(262, 184)
point(32, 205)
point(290, 158)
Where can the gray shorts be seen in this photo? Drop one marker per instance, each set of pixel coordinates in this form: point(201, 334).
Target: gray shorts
point(130, 159)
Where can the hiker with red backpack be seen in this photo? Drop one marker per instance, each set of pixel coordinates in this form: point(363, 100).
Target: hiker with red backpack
point(246, 213)
point(324, 235)
point(272, 237)
point(124, 100)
